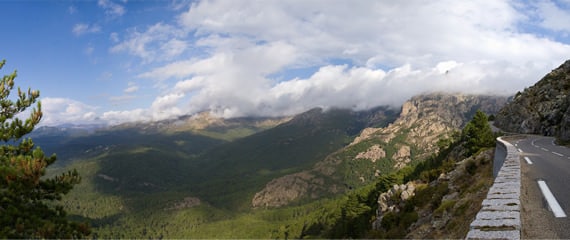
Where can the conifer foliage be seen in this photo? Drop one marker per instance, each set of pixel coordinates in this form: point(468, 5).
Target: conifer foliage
point(478, 134)
point(28, 200)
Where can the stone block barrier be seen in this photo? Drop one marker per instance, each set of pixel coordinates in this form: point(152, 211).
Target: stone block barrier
point(500, 215)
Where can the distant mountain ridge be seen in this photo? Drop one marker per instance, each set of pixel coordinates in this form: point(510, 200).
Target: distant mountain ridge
point(543, 108)
point(206, 124)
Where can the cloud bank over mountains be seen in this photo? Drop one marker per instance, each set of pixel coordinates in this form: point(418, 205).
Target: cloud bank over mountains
point(269, 58)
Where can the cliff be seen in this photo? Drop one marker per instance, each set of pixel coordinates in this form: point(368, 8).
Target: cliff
point(541, 109)
point(424, 120)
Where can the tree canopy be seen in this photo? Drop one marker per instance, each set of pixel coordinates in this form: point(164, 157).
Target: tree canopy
point(28, 200)
point(478, 134)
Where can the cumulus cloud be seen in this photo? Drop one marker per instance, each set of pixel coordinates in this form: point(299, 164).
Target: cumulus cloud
point(82, 28)
point(393, 51)
point(64, 110)
point(283, 57)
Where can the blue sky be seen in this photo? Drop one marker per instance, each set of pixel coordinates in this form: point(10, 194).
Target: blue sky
point(112, 61)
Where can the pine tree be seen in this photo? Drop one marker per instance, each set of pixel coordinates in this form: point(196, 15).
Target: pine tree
point(28, 200)
point(478, 134)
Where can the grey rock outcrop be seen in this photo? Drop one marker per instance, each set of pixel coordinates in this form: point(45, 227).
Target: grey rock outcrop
point(428, 118)
point(541, 109)
point(373, 153)
point(393, 200)
point(402, 157)
point(281, 191)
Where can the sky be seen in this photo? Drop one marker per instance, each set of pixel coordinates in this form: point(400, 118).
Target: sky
point(116, 61)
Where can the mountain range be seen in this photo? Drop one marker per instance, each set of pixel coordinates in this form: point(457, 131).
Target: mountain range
point(202, 167)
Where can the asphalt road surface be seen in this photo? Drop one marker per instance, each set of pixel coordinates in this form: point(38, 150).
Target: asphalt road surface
point(544, 216)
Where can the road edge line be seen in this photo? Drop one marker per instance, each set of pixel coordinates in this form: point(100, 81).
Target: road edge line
point(552, 202)
point(528, 160)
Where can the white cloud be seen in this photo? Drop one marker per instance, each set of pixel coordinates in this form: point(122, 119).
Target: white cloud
point(240, 57)
point(173, 48)
point(159, 42)
point(117, 117)
point(132, 87)
point(63, 110)
point(554, 16)
point(111, 9)
point(395, 50)
point(82, 28)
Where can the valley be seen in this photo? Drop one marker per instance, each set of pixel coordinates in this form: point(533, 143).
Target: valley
point(253, 178)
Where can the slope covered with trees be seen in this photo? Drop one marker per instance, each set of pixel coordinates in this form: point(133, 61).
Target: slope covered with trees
point(452, 201)
point(168, 186)
point(29, 201)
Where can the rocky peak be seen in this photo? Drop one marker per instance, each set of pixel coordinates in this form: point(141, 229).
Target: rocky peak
point(429, 116)
point(423, 121)
point(541, 109)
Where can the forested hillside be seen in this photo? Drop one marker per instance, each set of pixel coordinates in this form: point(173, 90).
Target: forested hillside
point(177, 214)
point(334, 163)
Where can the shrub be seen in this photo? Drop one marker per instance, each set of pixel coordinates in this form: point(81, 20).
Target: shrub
point(471, 167)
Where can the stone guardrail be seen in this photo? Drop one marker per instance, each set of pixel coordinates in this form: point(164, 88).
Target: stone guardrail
point(499, 217)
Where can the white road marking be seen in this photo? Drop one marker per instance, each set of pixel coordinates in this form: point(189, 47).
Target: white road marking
point(518, 149)
point(528, 160)
point(552, 202)
point(553, 144)
point(544, 149)
point(516, 145)
point(558, 154)
point(532, 143)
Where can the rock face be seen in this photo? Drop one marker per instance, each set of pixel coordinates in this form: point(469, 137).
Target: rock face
point(281, 191)
point(462, 200)
point(373, 153)
point(402, 157)
point(541, 109)
point(427, 118)
point(455, 196)
point(423, 121)
point(393, 200)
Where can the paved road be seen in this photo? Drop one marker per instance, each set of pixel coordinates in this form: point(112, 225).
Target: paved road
point(544, 161)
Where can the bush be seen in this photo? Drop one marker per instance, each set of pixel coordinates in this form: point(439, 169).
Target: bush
point(444, 206)
point(471, 167)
